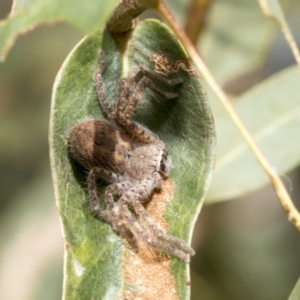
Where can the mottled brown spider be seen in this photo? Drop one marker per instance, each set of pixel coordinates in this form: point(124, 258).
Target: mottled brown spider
point(130, 157)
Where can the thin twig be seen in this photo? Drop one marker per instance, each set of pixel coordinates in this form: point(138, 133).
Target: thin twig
point(124, 16)
point(280, 21)
point(284, 198)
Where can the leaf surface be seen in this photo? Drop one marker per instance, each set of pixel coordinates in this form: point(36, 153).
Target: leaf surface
point(236, 39)
point(26, 14)
point(94, 252)
point(271, 112)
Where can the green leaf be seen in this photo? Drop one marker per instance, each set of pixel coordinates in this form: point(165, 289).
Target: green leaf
point(272, 10)
point(87, 16)
point(271, 112)
point(94, 253)
point(36, 225)
point(236, 39)
point(295, 295)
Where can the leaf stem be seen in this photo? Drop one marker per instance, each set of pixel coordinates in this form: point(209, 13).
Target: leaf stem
point(282, 194)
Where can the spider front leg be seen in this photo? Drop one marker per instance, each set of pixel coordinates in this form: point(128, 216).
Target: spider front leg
point(145, 229)
point(114, 218)
point(146, 185)
point(126, 103)
point(142, 234)
point(111, 213)
point(94, 174)
point(130, 89)
point(143, 73)
point(156, 232)
point(100, 88)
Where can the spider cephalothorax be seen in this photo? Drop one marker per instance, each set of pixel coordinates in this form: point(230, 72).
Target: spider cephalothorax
point(128, 156)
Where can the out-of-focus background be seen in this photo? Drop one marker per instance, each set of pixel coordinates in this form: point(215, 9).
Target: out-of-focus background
point(246, 248)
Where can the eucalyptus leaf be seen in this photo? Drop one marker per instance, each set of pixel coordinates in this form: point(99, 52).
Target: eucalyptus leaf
point(271, 112)
point(236, 39)
point(85, 15)
point(272, 9)
point(94, 252)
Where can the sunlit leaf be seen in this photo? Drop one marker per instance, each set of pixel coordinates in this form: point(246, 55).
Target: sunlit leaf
point(271, 112)
point(94, 253)
point(85, 15)
point(236, 39)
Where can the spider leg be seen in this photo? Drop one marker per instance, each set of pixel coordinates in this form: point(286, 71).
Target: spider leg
point(155, 239)
point(135, 80)
point(124, 108)
point(169, 239)
point(153, 76)
point(146, 219)
point(111, 190)
point(140, 234)
point(126, 105)
point(131, 86)
point(94, 195)
point(99, 86)
point(124, 90)
point(129, 92)
point(139, 132)
point(114, 213)
point(111, 213)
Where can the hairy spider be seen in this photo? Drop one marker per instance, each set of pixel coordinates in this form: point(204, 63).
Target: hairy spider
point(128, 156)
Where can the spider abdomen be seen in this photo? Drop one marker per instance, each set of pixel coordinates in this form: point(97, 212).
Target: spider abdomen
point(99, 143)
